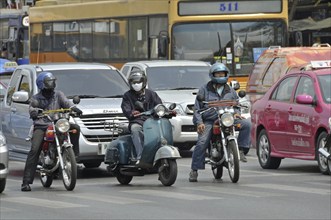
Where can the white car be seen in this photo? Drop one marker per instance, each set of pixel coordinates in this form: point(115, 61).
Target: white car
point(175, 81)
point(3, 162)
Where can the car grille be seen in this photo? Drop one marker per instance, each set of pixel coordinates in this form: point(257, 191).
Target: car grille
point(103, 122)
point(189, 128)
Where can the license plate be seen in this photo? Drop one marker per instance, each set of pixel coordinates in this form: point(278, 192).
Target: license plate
point(102, 147)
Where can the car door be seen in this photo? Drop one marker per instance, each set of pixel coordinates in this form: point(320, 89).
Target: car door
point(276, 114)
point(301, 121)
point(20, 122)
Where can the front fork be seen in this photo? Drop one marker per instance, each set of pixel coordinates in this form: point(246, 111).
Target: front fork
point(225, 141)
point(66, 143)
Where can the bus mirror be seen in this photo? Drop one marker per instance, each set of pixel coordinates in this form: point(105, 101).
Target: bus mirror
point(163, 44)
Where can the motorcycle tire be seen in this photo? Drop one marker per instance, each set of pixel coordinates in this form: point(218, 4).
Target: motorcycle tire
point(217, 172)
point(168, 174)
point(69, 171)
point(233, 163)
point(123, 179)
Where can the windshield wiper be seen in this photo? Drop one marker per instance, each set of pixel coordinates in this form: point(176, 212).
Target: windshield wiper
point(113, 96)
point(183, 88)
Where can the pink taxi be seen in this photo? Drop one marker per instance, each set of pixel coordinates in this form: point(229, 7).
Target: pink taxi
point(291, 120)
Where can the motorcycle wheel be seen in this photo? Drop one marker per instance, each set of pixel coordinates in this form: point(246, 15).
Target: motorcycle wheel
point(217, 172)
point(69, 171)
point(323, 164)
point(168, 173)
point(233, 164)
point(263, 152)
point(123, 179)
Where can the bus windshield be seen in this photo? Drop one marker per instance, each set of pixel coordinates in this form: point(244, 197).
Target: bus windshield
point(237, 44)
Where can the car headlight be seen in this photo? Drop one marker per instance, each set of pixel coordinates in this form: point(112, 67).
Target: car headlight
point(179, 110)
point(160, 110)
point(227, 119)
point(2, 140)
point(62, 125)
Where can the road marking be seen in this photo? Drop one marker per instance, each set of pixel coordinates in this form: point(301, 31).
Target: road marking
point(174, 195)
point(291, 188)
point(238, 192)
point(42, 202)
point(108, 199)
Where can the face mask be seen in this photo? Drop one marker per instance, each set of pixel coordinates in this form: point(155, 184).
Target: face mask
point(137, 86)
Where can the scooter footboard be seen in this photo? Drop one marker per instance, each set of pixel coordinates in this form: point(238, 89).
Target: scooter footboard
point(119, 150)
point(166, 151)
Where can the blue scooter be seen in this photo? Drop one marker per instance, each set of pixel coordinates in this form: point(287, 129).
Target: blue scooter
point(158, 152)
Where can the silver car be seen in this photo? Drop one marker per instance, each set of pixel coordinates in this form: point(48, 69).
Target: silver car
point(179, 82)
point(3, 162)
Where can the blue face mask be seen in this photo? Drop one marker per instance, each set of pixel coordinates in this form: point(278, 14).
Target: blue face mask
point(220, 90)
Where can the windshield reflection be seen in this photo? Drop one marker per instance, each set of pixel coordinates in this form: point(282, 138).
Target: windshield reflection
point(177, 77)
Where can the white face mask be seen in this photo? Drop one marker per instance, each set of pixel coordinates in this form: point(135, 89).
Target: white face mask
point(137, 86)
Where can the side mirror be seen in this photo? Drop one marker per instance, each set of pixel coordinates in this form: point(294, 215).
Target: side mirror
point(76, 100)
point(172, 106)
point(20, 97)
point(304, 99)
point(34, 103)
point(235, 84)
point(241, 93)
point(139, 106)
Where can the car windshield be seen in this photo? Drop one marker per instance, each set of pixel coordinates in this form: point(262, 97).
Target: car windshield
point(325, 85)
point(177, 77)
point(90, 83)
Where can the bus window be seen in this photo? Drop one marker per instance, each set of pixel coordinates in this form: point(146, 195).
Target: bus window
point(101, 39)
point(138, 38)
point(85, 31)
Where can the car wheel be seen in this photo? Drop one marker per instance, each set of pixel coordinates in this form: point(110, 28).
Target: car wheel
point(263, 152)
point(2, 185)
point(322, 161)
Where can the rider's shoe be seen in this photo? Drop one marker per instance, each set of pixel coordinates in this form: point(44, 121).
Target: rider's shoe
point(242, 156)
point(25, 187)
point(193, 176)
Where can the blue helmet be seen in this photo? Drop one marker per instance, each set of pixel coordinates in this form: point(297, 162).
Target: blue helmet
point(219, 67)
point(46, 80)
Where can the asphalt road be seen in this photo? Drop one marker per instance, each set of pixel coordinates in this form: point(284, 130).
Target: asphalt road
point(294, 191)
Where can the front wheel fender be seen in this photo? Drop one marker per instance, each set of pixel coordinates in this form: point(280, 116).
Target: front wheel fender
point(166, 151)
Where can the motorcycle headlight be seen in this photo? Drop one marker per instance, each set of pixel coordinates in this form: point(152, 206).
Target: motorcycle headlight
point(227, 119)
point(160, 110)
point(62, 125)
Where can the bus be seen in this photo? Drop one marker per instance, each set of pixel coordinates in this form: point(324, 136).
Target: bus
point(14, 35)
point(234, 32)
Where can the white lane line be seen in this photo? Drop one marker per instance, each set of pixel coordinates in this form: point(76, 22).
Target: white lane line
point(174, 195)
point(291, 188)
point(42, 202)
point(106, 198)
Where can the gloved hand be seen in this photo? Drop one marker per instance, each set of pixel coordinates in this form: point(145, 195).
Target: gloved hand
point(173, 113)
point(77, 110)
point(34, 115)
point(135, 113)
point(201, 128)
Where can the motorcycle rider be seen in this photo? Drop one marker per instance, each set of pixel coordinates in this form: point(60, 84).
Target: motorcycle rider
point(216, 89)
point(48, 99)
point(149, 98)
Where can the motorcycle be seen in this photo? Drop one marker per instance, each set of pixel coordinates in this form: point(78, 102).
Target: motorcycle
point(223, 150)
point(158, 151)
point(57, 155)
point(326, 150)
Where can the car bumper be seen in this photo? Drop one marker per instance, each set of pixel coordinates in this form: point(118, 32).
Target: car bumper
point(3, 162)
point(183, 130)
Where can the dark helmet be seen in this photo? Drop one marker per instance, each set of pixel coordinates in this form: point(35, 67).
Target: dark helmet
point(137, 76)
point(46, 80)
point(219, 67)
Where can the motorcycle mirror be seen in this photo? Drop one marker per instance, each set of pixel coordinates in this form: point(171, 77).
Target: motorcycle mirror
point(235, 84)
point(34, 103)
point(200, 98)
point(139, 106)
point(172, 106)
point(241, 93)
point(76, 99)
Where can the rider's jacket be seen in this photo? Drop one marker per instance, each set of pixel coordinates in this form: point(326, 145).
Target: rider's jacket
point(56, 100)
point(149, 99)
point(209, 93)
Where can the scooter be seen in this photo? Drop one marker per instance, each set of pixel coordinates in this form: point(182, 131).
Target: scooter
point(158, 151)
point(326, 150)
